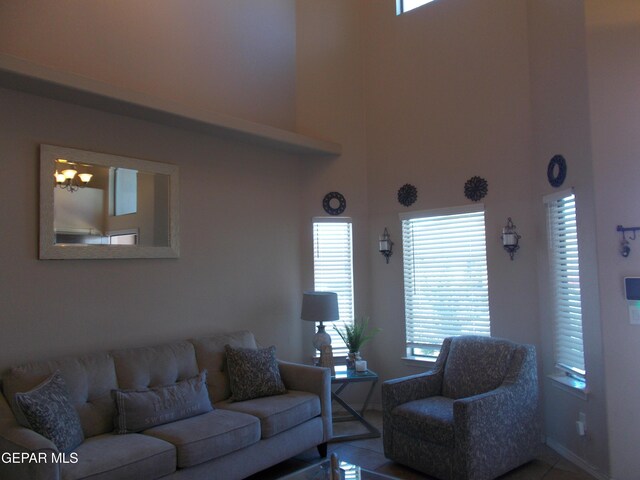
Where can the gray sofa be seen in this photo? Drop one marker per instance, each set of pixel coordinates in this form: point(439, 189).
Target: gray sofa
point(474, 416)
point(233, 441)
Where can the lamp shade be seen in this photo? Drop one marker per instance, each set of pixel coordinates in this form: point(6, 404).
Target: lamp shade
point(320, 307)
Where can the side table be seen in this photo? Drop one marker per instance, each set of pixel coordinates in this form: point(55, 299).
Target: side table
point(344, 378)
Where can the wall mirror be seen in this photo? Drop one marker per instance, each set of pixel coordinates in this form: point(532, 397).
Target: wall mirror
point(96, 205)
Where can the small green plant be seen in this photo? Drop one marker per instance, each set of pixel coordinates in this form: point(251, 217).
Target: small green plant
point(356, 335)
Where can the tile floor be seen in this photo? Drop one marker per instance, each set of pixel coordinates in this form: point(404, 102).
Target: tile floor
point(369, 454)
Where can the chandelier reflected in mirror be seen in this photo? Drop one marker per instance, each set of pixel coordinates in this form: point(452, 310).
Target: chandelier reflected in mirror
point(69, 178)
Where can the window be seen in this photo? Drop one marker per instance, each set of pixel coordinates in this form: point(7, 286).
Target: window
point(125, 191)
point(565, 283)
point(403, 6)
point(333, 270)
point(445, 277)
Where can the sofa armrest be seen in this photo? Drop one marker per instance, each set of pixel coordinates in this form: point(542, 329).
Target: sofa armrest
point(311, 379)
point(20, 447)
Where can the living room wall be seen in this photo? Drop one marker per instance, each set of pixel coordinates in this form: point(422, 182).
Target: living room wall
point(240, 214)
point(447, 99)
point(561, 125)
point(613, 42)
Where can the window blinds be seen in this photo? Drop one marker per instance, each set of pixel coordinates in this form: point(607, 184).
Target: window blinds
point(565, 273)
point(333, 272)
point(445, 276)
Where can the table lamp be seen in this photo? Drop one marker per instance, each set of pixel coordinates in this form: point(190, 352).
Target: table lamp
point(320, 307)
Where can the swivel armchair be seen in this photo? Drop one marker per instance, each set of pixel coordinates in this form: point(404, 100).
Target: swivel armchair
point(474, 416)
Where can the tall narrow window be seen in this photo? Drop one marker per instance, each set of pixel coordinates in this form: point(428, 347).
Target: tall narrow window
point(333, 270)
point(445, 277)
point(565, 283)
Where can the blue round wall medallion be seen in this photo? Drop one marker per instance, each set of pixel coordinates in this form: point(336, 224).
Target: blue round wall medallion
point(557, 170)
point(334, 203)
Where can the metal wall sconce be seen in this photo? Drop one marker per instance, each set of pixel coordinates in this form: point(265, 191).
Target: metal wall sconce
point(510, 238)
point(625, 249)
point(385, 245)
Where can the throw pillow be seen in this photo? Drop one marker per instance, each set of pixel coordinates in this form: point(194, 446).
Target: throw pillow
point(253, 373)
point(137, 410)
point(48, 411)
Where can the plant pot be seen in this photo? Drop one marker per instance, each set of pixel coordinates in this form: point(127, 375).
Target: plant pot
point(351, 360)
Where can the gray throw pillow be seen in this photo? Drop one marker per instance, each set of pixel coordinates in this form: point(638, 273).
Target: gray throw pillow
point(48, 411)
point(253, 373)
point(137, 410)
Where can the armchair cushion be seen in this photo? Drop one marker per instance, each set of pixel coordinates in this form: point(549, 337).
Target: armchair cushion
point(429, 419)
point(475, 365)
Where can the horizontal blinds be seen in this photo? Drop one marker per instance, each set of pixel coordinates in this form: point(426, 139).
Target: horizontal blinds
point(333, 272)
point(565, 271)
point(445, 277)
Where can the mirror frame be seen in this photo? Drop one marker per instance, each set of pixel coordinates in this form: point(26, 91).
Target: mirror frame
point(50, 250)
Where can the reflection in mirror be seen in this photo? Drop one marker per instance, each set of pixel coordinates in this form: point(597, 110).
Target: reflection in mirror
point(106, 206)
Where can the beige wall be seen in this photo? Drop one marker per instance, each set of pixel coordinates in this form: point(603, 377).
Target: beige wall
point(613, 41)
point(240, 210)
point(235, 57)
point(330, 104)
point(560, 106)
point(448, 98)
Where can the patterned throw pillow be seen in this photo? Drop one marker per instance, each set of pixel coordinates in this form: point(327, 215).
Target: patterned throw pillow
point(138, 410)
point(253, 373)
point(49, 412)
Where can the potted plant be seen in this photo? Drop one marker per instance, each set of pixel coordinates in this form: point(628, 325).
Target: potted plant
point(354, 336)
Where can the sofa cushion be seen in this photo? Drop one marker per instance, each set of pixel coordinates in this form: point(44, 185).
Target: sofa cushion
point(475, 365)
point(253, 373)
point(429, 419)
point(211, 357)
point(278, 413)
point(155, 366)
point(142, 409)
point(208, 436)
point(121, 457)
point(89, 380)
point(48, 411)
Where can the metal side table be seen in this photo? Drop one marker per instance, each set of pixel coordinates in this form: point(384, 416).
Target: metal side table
point(344, 378)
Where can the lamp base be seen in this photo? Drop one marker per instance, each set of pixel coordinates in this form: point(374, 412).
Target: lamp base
point(321, 337)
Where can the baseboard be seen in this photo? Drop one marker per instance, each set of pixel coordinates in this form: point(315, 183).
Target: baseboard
point(575, 459)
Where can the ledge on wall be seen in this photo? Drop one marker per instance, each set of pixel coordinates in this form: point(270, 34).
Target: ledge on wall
point(19, 74)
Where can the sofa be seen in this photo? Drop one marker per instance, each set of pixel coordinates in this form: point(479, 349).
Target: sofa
point(474, 416)
point(234, 440)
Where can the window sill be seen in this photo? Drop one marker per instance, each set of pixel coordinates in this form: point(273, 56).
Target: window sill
point(570, 385)
point(422, 362)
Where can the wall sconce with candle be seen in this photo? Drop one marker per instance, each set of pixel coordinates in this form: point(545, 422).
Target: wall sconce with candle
point(510, 238)
point(385, 245)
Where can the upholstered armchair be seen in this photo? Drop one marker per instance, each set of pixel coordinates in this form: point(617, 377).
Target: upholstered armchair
point(473, 416)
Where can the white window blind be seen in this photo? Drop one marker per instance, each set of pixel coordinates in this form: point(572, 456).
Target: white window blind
point(333, 271)
point(445, 277)
point(565, 282)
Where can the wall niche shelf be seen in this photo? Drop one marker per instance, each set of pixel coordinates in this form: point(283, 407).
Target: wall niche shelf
point(25, 76)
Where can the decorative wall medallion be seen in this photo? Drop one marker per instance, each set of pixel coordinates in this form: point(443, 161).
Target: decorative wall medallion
point(476, 188)
point(557, 170)
point(407, 194)
point(334, 203)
